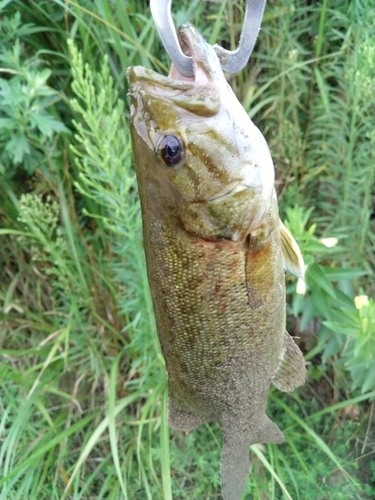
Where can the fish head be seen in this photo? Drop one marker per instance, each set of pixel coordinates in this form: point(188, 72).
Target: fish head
point(200, 150)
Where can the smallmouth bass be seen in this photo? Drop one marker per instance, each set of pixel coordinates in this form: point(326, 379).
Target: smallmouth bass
point(215, 252)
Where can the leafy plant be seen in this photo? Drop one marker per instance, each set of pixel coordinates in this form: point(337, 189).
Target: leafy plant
point(29, 125)
point(309, 91)
point(346, 322)
point(355, 339)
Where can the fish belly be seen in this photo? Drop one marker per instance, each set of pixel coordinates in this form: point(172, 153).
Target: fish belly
point(221, 351)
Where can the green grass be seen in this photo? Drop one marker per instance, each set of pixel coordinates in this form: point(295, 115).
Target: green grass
point(82, 379)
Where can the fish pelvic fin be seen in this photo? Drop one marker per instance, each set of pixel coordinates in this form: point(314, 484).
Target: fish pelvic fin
point(182, 416)
point(291, 372)
point(293, 260)
point(235, 456)
point(183, 420)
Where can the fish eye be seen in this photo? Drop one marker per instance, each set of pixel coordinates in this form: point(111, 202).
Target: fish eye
point(171, 150)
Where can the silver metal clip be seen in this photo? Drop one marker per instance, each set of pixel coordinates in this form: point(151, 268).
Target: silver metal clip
point(232, 61)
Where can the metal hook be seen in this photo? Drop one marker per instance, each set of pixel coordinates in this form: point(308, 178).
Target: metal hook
point(231, 61)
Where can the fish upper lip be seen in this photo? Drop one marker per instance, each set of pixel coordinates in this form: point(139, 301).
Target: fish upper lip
point(187, 36)
point(147, 77)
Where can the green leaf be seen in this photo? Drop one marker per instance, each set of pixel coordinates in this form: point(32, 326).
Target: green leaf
point(47, 124)
point(8, 123)
point(308, 313)
point(342, 273)
point(338, 327)
point(333, 345)
point(315, 276)
point(112, 423)
point(369, 381)
point(322, 303)
point(298, 304)
point(41, 450)
point(38, 80)
point(4, 3)
point(18, 147)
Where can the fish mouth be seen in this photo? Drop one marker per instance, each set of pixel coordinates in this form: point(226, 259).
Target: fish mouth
point(204, 58)
point(200, 94)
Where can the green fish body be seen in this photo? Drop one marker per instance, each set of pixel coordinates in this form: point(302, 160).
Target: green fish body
point(215, 252)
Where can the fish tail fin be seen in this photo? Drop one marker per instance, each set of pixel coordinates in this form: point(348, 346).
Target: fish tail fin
point(234, 468)
point(235, 456)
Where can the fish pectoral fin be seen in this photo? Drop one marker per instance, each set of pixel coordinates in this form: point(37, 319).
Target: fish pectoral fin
point(293, 260)
point(291, 372)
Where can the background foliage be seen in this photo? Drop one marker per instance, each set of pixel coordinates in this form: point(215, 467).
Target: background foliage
point(82, 380)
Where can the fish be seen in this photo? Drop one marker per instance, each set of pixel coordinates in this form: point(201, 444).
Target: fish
point(215, 253)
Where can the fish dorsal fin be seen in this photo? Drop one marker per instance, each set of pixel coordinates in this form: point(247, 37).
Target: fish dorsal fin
point(291, 372)
point(293, 260)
